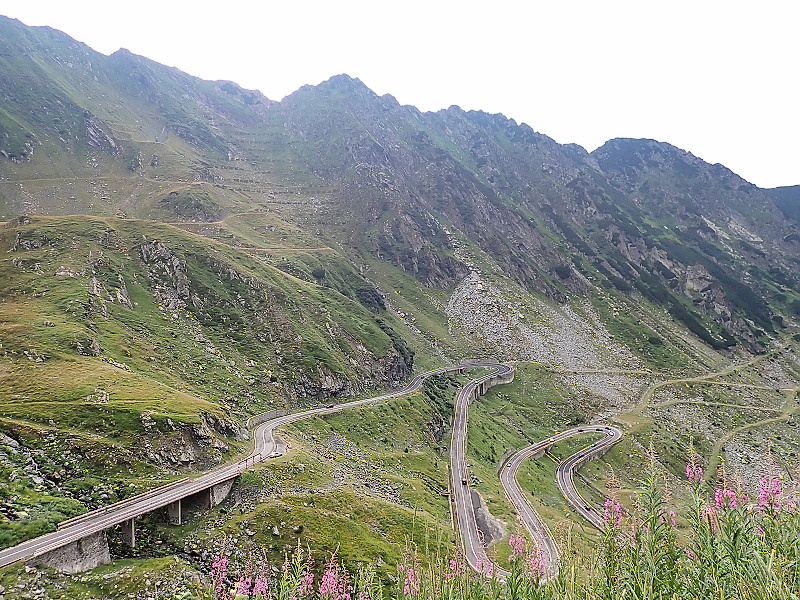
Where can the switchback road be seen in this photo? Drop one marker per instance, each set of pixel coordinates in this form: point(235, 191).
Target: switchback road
point(266, 445)
point(566, 470)
point(564, 476)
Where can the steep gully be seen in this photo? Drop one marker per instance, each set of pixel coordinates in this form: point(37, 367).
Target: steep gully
point(266, 445)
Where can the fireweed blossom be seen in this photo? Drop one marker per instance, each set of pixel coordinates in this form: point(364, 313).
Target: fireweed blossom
point(667, 517)
point(727, 498)
point(219, 571)
point(693, 473)
point(306, 585)
point(517, 543)
point(260, 587)
point(411, 579)
point(486, 568)
point(243, 585)
point(536, 564)
point(454, 569)
point(334, 584)
point(769, 492)
point(612, 513)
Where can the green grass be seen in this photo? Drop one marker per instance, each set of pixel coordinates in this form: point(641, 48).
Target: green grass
point(253, 334)
point(345, 523)
point(232, 317)
point(657, 351)
point(399, 444)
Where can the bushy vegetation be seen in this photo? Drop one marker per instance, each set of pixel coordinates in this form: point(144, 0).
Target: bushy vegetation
point(732, 547)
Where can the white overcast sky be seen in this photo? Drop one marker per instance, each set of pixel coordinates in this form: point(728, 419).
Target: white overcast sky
point(719, 79)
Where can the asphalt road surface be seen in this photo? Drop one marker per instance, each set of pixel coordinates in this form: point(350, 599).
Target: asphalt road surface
point(266, 445)
point(461, 495)
point(564, 477)
point(567, 468)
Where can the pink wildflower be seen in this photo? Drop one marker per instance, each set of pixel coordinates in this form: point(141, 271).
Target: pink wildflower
point(769, 491)
point(411, 582)
point(727, 498)
point(455, 569)
point(517, 543)
point(333, 585)
point(243, 585)
point(691, 555)
point(693, 473)
point(486, 568)
point(306, 585)
point(219, 571)
point(536, 564)
point(612, 513)
point(260, 587)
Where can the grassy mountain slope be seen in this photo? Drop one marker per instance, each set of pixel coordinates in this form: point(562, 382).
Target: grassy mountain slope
point(134, 350)
point(788, 200)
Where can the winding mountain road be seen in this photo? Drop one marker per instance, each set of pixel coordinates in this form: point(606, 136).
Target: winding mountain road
point(564, 476)
point(461, 494)
point(265, 445)
point(566, 470)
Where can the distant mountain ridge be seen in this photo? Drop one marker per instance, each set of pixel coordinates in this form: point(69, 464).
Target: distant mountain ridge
point(638, 216)
point(787, 198)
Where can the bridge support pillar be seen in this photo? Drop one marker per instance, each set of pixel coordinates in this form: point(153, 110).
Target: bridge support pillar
point(210, 497)
point(174, 513)
point(81, 555)
point(128, 532)
point(218, 493)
